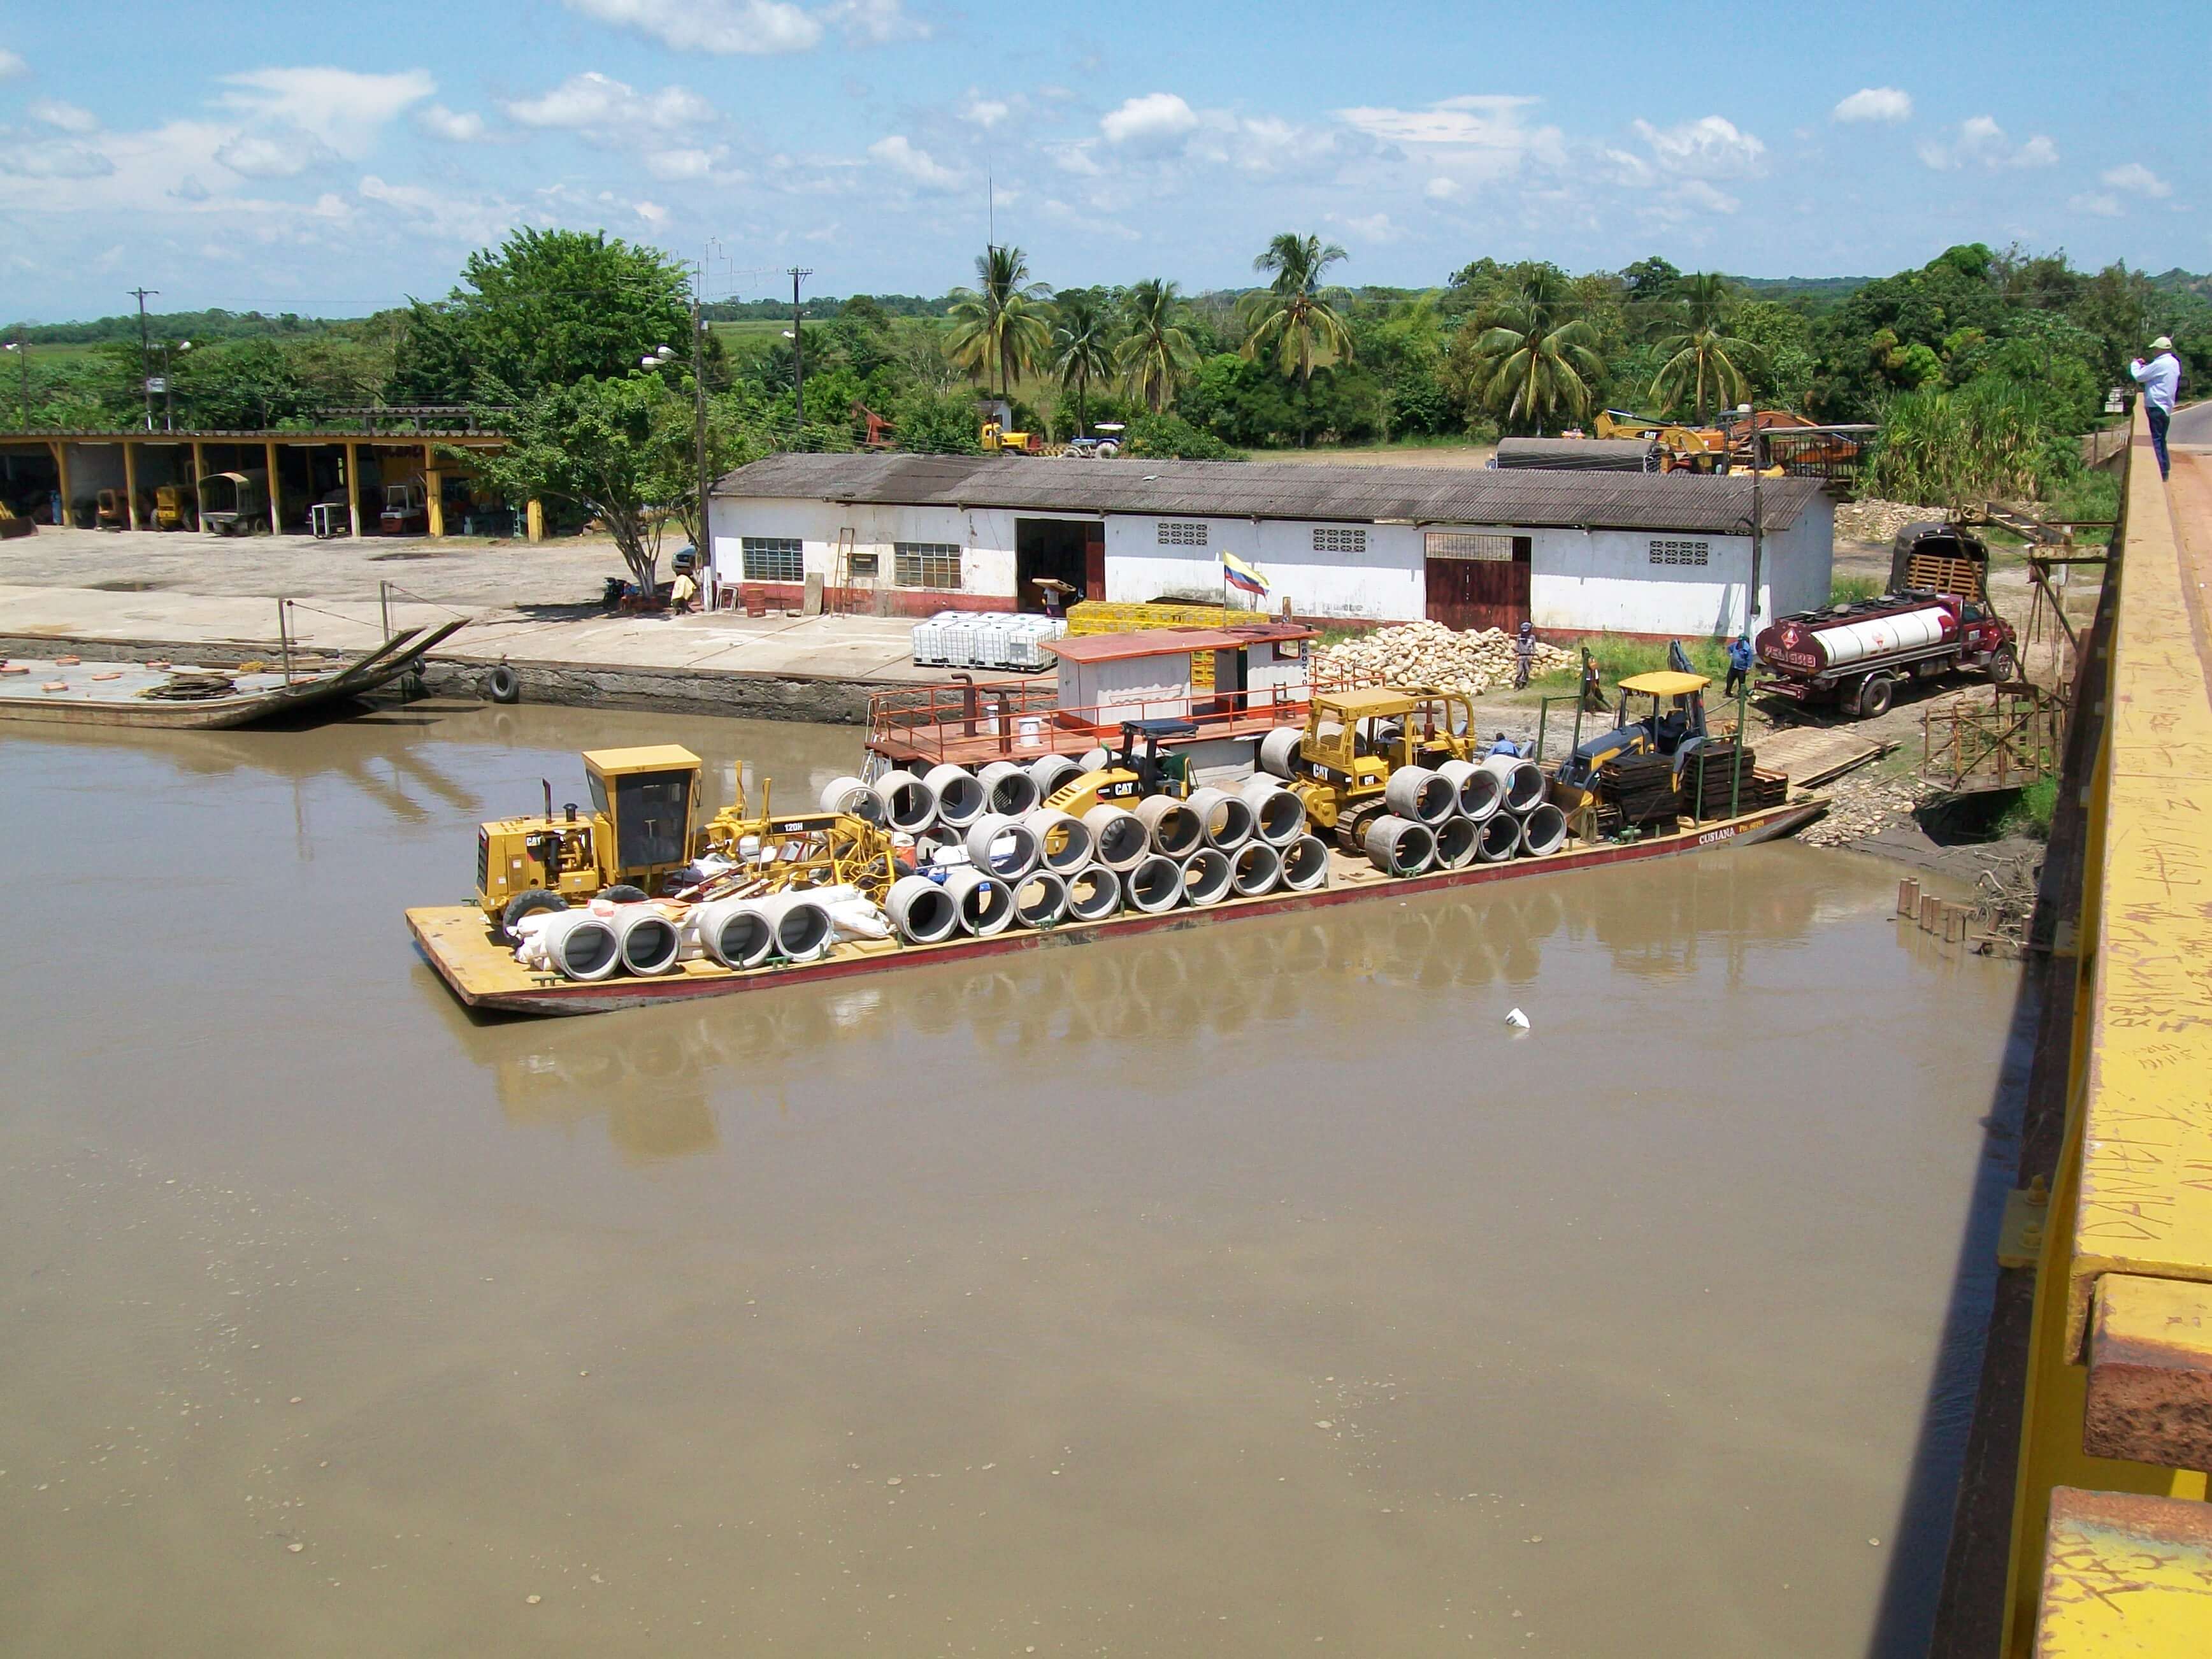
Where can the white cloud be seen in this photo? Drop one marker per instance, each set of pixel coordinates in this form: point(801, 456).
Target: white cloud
point(283, 153)
point(62, 117)
point(1375, 226)
point(875, 22)
point(1710, 147)
point(652, 212)
point(2104, 204)
point(1076, 220)
point(1981, 141)
point(1076, 158)
point(341, 108)
point(1442, 189)
point(1473, 139)
point(899, 154)
point(750, 27)
point(985, 112)
point(1697, 193)
point(11, 65)
point(1875, 104)
point(688, 163)
point(454, 126)
point(2136, 179)
point(452, 218)
point(598, 104)
point(1155, 118)
point(54, 158)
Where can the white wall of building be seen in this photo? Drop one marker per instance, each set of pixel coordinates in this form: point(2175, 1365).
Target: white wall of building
point(1580, 580)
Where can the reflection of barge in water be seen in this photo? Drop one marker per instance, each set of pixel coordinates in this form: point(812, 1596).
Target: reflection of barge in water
point(480, 969)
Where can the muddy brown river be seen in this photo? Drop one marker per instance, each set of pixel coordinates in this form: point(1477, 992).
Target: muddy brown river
point(1245, 1290)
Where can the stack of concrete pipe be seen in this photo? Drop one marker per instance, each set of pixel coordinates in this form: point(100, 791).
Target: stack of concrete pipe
point(1464, 812)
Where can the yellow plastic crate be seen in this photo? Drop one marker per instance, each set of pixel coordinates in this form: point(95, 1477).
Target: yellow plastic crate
point(1115, 617)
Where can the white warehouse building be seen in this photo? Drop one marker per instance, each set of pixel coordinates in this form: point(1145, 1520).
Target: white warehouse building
point(1657, 554)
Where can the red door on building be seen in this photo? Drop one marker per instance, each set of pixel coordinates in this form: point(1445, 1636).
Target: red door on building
point(1094, 561)
point(1478, 581)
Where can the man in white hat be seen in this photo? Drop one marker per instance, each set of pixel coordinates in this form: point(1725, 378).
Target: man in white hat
point(2161, 383)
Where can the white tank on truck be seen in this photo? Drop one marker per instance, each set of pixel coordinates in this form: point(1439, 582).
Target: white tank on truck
point(1856, 654)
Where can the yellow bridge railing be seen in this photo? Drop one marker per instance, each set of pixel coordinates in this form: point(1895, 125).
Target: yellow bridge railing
point(2112, 1545)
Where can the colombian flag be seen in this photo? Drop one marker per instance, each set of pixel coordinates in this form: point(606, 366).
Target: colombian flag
point(1243, 576)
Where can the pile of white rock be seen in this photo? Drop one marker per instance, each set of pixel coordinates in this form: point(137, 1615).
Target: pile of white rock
point(1428, 653)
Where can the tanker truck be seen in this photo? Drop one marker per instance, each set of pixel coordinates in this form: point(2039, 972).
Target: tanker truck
point(1855, 655)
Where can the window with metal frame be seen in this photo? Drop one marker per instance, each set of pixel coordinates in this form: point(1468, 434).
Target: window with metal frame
point(926, 564)
point(1331, 538)
point(775, 559)
point(1672, 552)
point(1176, 534)
point(1467, 545)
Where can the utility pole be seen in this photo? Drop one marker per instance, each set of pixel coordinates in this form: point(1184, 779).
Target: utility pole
point(702, 563)
point(799, 349)
point(145, 351)
point(1750, 604)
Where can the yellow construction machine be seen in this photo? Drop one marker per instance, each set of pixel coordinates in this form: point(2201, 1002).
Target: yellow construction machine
point(642, 838)
point(1138, 771)
point(1354, 740)
point(1661, 713)
point(996, 439)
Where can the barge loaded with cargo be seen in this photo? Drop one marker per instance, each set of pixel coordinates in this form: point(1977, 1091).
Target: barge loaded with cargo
point(1377, 790)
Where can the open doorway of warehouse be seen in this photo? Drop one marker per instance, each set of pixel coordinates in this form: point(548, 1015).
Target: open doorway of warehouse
point(1478, 581)
point(1068, 551)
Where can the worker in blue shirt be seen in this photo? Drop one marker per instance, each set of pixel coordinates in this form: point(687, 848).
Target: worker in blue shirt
point(1739, 661)
point(2161, 383)
point(1506, 746)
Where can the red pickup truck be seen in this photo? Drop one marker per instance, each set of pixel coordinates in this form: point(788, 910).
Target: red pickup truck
point(1855, 654)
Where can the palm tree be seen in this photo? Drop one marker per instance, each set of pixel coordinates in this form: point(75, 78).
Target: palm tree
point(1702, 357)
point(1289, 316)
point(1002, 325)
point(1157, 352)
point(1537, 359)
point(1082, 343)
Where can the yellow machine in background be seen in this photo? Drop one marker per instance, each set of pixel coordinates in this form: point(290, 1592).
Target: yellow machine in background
point(173, 506)
point(1354, 740)
point(997, 439)
point(644, 835)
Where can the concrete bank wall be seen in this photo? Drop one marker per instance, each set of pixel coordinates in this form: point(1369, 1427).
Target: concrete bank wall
point(684, 690)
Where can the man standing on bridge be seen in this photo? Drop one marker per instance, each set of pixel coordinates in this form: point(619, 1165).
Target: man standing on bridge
point(2161, 383)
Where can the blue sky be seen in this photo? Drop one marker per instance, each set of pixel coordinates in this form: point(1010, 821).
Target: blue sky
point(331, 159)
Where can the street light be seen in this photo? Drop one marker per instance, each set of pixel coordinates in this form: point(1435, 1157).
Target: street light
point(169, 384)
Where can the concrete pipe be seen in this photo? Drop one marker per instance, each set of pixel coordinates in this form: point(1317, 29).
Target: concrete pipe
point(1093, 893)
point(1278, 817)
point(647, 942)
point(1048, 772)
point(1544, 831)
point(1415, 793)
point(1206, 875)
point(1040, 900)
point(854, 799)
point(961, 797)
point(1399, 846)
point(580, 945)
point(985, 903)
point(921, 910)
point(1096, 759)
point(1170, 826)
point(1456, 837)
point(1153, 884)
point(1010, 787)
point(1500, 838)
point(1002, 847)
point(1223, 818)
point(1063, 842)
point(1119, 837)
point(1305, 865)
point(909, 804)
point(803, 926)
point(1523, 781)
point(1255, 869)
point(737, 932)
point(1279, 752)
point(1478, 791)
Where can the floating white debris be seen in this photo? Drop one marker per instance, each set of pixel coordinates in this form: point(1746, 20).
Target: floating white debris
point(1517, 1020)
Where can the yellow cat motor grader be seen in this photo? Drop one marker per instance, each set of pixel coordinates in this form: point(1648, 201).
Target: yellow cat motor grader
point(1140, 770)
point(643, 839)
point(1354, 740)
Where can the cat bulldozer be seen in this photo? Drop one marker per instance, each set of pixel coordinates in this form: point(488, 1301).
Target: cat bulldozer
point(1658, 713)
point(1138, 771)
point(642, 838)
point(1354, 740)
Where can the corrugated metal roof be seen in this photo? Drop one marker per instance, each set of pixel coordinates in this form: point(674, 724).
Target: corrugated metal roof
point(1580, 454)
point(1259, 489)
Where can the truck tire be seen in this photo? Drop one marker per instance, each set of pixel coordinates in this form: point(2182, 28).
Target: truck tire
point(528, 903)
point(1875, 696)
point(503, 685)
point(2004, 665)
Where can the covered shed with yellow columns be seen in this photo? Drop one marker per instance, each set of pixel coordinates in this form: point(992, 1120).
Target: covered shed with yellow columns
point(326, 482)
